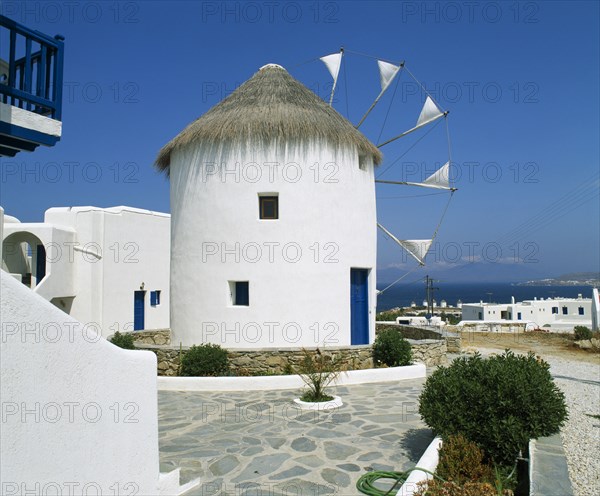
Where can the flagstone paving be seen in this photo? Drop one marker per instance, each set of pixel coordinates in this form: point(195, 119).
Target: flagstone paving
point(257, 443)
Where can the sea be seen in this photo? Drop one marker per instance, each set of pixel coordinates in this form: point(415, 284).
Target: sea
point(402, 295)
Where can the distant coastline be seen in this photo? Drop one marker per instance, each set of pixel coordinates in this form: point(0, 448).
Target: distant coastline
point(577, 279)
point(402, 295)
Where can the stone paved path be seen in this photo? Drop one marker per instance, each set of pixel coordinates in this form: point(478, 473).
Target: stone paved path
point(257, 443)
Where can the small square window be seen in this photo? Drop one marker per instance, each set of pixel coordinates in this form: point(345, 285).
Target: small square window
point(555, 310)
point(240, 293)
point(565, 311)
point(581, 311)
point(155, 298)
point(268, 207)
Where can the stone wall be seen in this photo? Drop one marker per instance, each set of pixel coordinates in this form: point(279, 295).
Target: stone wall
point(155, 336)
point(431, 352)
point(269, 361)
point(453, 343)
point(449, 333)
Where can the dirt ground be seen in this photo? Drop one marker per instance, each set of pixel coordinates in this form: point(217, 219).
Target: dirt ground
point(542, 344)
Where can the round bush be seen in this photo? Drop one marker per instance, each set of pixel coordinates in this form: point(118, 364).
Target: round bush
point(391, 349)
point(499, 403)
point(582, 333)
point(123, 341)
point(205, 360)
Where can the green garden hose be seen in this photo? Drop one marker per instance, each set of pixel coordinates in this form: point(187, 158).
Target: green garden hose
point(366, 483)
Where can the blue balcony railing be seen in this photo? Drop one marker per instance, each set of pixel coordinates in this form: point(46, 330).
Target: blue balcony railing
point(32, 77)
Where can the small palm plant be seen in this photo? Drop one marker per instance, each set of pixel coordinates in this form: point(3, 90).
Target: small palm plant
point(318, 371)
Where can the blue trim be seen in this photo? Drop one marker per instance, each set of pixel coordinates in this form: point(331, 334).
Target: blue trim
point(17, 144)
point(28, 134)
point(242, 293)
point(139, 300)
point(155, 298)
point(359, 306)
point(7, 152)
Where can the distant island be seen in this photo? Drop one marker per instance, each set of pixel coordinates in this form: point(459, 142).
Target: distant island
point(574, 279)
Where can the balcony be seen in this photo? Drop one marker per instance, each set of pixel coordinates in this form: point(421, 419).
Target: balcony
point(31, 80)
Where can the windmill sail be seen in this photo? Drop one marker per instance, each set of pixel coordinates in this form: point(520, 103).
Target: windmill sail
point(440, 179)
point(418, 248)
point(387, 72)
point(429, 113)
point(333, 63)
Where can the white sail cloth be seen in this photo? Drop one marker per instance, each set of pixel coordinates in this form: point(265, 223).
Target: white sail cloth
point(429, 113)
point(387, 72)
point(440, 179)
point(418, 248)
point(333, 63)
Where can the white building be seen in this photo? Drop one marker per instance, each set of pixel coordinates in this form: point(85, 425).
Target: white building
point(557, 313)
point(273, 238)
point(108, 268)
point(420, 321)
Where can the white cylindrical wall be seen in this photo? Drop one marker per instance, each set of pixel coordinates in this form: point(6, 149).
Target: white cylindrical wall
point(298, 266)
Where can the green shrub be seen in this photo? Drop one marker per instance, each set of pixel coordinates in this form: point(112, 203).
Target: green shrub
point(462, 461)
point(582, 333)
point(439, 488)
point(499, 403)
point(205, 360)
point(123, 341)
point(391, 349)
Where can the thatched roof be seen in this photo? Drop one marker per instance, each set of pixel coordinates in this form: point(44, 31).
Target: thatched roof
point(270, 107)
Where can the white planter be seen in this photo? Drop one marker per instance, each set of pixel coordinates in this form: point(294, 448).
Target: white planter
point(270, 383)
point(336, 402)
point(428, 461)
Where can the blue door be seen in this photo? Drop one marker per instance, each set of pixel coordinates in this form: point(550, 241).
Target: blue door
point(139, 299)
point(359, 306)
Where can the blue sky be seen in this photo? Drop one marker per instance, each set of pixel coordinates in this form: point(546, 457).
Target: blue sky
point(521, 81)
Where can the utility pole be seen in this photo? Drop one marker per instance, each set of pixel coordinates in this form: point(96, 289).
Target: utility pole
point(429, 289)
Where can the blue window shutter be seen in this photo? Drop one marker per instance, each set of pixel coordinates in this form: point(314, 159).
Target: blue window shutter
point(153, 298)
point(242, 293)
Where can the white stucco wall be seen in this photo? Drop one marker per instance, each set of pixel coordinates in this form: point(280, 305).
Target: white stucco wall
point(79, 415)
point(298, 266)
point(595, 310)
point(60, 275)
point(97, 258)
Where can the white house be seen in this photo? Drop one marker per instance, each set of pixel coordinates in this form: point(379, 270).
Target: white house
point(273, 233)
point(557, 313)
point(106, 267)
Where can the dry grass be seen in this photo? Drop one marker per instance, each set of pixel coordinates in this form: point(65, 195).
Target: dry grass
point(540, 343)
point(270, 108)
